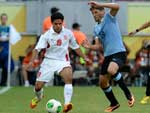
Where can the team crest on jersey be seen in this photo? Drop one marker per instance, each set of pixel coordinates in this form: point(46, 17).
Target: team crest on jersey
point(65, 37)
point(102, 34)
point(59, 42)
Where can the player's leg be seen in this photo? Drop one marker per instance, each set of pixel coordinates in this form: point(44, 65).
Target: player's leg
point(146, 99)
point(38, 90)
point(113, 70)
point(66, 74)
point(107, 89)
point(44, 75)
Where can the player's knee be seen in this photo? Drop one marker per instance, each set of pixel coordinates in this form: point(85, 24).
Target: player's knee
point(112, 70)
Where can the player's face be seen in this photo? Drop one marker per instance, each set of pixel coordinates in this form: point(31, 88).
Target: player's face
point(57, 25)
point(4, 20)
point(98, 14)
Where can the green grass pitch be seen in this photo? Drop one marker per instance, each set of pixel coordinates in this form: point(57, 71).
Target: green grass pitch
point(85, 100)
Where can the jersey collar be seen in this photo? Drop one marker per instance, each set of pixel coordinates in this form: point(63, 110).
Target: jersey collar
point(53, 32)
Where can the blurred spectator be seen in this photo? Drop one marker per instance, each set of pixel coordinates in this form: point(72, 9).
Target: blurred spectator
point(141, 68)
point(143, 60)
point(26, 61)
point(4, 49)
point(80, 36)
point(47, 21)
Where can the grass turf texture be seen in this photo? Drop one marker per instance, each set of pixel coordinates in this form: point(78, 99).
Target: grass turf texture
point(85, 100)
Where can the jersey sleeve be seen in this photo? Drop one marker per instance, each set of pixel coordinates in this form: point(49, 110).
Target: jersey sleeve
point(42, 43)
point(72, 42)
point(110, 17)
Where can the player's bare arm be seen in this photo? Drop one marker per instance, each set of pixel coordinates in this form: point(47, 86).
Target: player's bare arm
point(78, 51)
point(34, 56)
point(144, 26)
point(113, 6)
point(94, 47)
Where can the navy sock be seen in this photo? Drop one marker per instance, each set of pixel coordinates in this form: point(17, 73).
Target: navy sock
point(119, 79)
point(110, 95)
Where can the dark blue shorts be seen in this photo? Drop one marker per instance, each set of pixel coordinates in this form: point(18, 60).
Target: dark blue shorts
point(119, 58)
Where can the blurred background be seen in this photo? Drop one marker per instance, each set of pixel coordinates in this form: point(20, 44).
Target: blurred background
point(27, 17)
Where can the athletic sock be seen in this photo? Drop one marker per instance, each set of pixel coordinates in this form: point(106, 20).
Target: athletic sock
point(119, 79)
point(39, 93)
point(68, 91)
point(110, 96)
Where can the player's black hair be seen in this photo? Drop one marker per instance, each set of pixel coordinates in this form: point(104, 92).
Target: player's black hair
point(76, 25)
point(3, 14)
point(54, 10)
point(99, 8)
point(57, 15)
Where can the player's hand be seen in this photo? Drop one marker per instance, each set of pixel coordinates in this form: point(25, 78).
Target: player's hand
point(132, 33)
point(88, 60)
point(86, 44)
point(94, 4)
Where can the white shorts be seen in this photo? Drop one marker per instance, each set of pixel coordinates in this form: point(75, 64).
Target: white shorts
point(49, 67)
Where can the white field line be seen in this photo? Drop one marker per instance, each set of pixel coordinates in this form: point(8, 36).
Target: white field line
point(5, 89)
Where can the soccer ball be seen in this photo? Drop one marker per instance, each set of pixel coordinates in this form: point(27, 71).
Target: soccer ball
point(53, 106)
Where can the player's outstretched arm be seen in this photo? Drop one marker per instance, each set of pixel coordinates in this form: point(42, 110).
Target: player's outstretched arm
point(79, 52)
point(113, 6)
point(144, 26)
